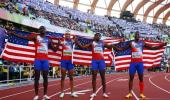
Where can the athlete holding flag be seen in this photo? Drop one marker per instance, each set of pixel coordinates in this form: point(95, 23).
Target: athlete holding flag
point(66, 63)
point(137, 62)
point(41, 62)
point(98, 63)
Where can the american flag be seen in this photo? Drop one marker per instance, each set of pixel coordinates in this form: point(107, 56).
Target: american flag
point(151, 58)
point(2, 38)
point(84, 57)
point(22, 50)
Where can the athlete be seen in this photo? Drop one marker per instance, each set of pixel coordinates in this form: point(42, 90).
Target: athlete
point(66, 64)
point(137, 62)
point(98, 63)
point(41, 62)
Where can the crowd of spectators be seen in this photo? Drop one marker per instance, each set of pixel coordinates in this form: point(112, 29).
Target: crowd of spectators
point(163, 28)
point(63, 16)
point(80, 21)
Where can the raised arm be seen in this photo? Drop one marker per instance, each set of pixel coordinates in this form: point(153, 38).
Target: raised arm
point(118, 48)
point(155, 47)
point(30, 38)
point(83, 46)
point(108, 46)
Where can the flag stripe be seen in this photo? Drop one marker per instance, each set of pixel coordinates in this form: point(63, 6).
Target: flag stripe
point(151, 58)
point(84, 57)
point(17, 51)
point(18, 54)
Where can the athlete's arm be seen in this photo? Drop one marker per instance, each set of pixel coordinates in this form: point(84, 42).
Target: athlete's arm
point(83, 46)
point(30, 38)
point(155, 47)
point(121, 49)
point(108, 46)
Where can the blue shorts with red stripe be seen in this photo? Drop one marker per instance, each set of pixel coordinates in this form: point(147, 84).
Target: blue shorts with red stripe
point(136, 66)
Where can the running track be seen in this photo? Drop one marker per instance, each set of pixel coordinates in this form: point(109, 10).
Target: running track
point(157, 87)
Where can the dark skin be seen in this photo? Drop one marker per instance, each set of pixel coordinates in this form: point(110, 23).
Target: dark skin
point(52, 45)
point(130, 46)
point(96, 38)
point(137, 40)
point(42, 32)
point(70, 72)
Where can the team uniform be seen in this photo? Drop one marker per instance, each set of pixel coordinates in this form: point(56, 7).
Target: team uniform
point(66, 60)
point(98, 62)
point(41, 55)
point(137, 64)
point(66, 63)
point(136, 58)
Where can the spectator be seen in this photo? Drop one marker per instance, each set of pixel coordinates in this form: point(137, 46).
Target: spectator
point(2, 38)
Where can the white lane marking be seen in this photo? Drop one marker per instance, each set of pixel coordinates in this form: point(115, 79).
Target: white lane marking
point(29, 91)
point(101, 86)
point(166, 78)
point(135, 95)
point(158, 86)
point(120, 80)
point(80, 92)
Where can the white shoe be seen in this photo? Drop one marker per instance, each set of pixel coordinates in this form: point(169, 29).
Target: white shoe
point(74, 95)
point(61, 95)
point(36, 97)
point(45, 97)
point(92, 95)
point(105, 95)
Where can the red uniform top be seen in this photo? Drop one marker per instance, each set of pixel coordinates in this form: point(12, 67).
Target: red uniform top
point(41, 48)
point(67, 50)
point(137, 51)
point(97, 50)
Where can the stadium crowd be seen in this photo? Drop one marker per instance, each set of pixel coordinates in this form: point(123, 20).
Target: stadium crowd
point(80, 21)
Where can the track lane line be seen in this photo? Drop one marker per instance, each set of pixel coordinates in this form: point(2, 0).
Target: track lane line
point(166, 78)
point(75, 86)
point(7, 96)
point(136, 97)
point(106, 83)
point(166, 91)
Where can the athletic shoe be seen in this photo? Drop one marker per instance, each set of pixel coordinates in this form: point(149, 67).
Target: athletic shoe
point(45, 97)
point(61, 95)
point(74, 95)
point(142, 96)
point(105, 95)
point(92, 95)
point(36, 97)
point(129, 95)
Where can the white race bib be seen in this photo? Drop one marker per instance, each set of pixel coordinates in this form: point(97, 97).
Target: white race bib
point(136, 55)
point(98, 50)
point(41, 49)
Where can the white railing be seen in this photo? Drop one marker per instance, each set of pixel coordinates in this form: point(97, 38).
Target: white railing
point(6, 76)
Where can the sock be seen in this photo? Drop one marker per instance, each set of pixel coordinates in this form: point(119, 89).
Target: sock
point(141, 85)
